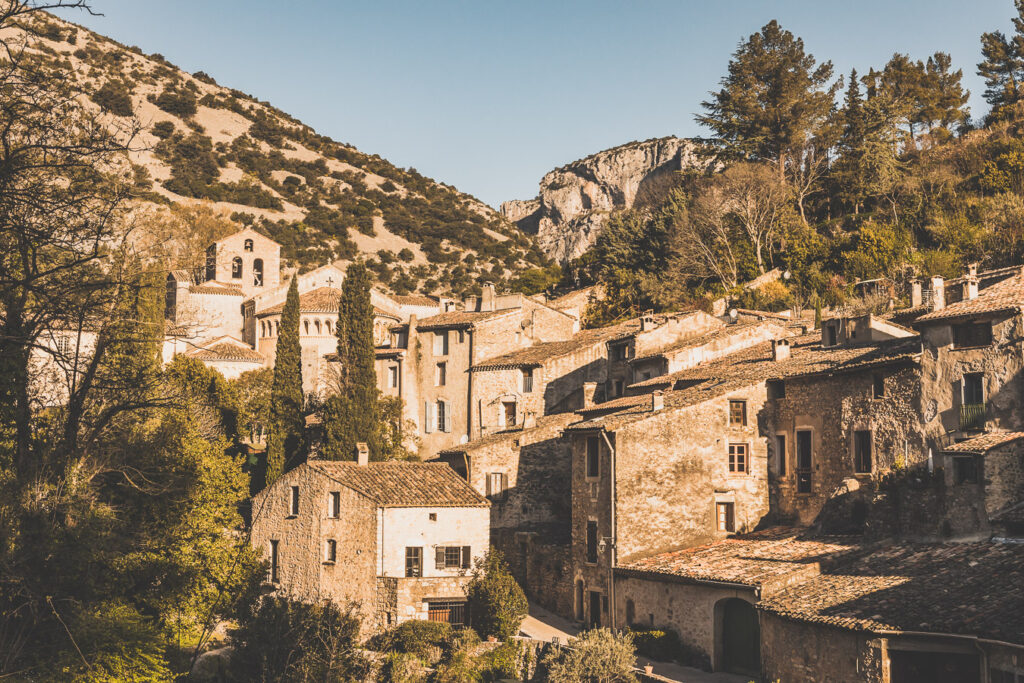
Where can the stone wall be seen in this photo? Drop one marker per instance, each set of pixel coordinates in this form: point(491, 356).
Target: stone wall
point(411, 595)
point(833, 408)
point(797, 651)
point(263, 249)
point(413, 527)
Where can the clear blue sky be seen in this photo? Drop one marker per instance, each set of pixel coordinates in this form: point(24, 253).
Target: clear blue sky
point(488, 95)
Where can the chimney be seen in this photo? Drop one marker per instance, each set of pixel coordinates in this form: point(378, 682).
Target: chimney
point(971, 282)
point(938, 293)
point(589, 389)
point(362, 454)
point(487, 298)
point(915, 293)
point(780, 349)
point(657, 401)
point(646, 322)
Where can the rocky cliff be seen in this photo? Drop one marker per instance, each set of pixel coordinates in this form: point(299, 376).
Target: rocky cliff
point(576, 200)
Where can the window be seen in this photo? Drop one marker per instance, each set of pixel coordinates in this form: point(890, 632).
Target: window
point(972, 406)
point(236, 268)
point(462, 336)
point(803, 461)
point(414, 562)
point(211, 262)
point(334, 505)
point(441, 375)
point(257, 273)
point(441, 343)
point(497, 482)
point(248, 245)
point(305, 325)
point(725, 517)
point(974, 388)
point(527, 380)
point(393, 376)
point(618, 387)
point(452, 557)
point(509, 413)
point(447, 611)
point(776, 388)
point(592, 541)
point(862, 452)
point(443, 419)
point(878, 385)
point(739, 458)
point(780, 454)
point(620, 352)
point(274, 562)
point(593, 457)
point(64, 345)
point(830, 335)
point(330, 550)
point(972, 334)
point(432, 516)
point(965, 470)
point(293, 506)
point(737, 413)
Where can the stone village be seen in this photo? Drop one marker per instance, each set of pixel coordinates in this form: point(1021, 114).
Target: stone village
point(742, 478)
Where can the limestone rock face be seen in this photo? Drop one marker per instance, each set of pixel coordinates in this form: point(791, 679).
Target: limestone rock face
point(576, 200)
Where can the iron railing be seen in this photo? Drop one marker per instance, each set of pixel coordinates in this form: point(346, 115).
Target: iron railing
point(972, 416)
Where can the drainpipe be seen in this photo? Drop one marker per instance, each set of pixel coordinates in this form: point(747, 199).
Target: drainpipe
point(469, 387)
point(613, 549)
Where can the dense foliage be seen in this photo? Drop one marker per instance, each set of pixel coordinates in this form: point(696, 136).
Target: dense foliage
point(497, 603)
point(285, 445)
point(596, 656)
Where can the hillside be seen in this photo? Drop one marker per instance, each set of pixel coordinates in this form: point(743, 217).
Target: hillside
point(576, 200)
point(323, 200)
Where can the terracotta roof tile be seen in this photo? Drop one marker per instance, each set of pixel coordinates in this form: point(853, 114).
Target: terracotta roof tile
point(963, 588)
point(226, 351)
point(214, 287)
point(462, 319)
point(321, 300)
point(545, 423)
point(1007, 295)
point(984, 443)
point(413, 299)
point(538, 354)
point(404, 483)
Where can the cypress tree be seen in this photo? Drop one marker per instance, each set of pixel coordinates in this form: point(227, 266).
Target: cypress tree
point(353, 414)
point(286, 422)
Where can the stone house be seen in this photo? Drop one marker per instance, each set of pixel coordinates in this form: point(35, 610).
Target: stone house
point(229, 356)
point(397, 539)
point(662, 471)
point(203, 311)
point(432, 374)
point(525, 472)
point(972, 361)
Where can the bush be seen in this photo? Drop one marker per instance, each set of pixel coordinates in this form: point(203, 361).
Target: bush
point(181, 103)
point(401, 667)
point(425, 639)
point(283, 639)
point(597, 655)
point(657, 644)
point(406, 255)
point(163, 129)
point(497, 603)
point(114, 97)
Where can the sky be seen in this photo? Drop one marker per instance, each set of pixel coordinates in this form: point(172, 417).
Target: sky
point(489, 96)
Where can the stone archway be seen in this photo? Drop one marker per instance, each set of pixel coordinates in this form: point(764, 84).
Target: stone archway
point(737, 637)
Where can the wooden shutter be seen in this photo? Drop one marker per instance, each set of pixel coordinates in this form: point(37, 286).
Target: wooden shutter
point(490, 489)
point(428, 417)
point(439, 557)
point(504, 482)
point(466, 557)
point(447, 417)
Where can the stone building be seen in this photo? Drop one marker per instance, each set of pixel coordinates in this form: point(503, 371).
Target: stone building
point(428, 364)
point(525, 472)
point(229, 356)
point(397, 539)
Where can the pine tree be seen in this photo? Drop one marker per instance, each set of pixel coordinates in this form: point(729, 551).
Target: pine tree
point(846, 171)
point(354, 413)
point(285, 445)
point(1003, 64)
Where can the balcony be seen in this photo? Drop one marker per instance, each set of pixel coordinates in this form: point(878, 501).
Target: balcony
point(972, 416)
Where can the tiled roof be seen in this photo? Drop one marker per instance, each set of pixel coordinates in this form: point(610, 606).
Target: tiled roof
point(544, 423)
point(181, 275)
point(321, 300)
point(226, 351)
point(214, 287)
point(964, 588)
point(458, 319)
point(635, 408)
point(537, 354)
point(750, 559)
point(630, 328)
point(404, 483)
point(1007, 295)
point(706, 338)
point(413, 299)
point(984, 443)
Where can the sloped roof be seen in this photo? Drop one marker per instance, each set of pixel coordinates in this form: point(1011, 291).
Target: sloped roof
point(404, 483)
point(227, 349)
point(706, 338)
point(545, 423)
point(749, 559)
point(1004, 296)
point(215, 287)
point(180, 275)
point(964, 588)
point(321, 300)
point(413, 299)
point(984, 443)
point(463, 319)
point(538, 354)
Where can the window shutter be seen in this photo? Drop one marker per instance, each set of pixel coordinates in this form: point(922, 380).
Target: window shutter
point(439, 557)
point(447, 417)
point(490, 489)
point(504, 482)
point(466, 557)
point(428, 417)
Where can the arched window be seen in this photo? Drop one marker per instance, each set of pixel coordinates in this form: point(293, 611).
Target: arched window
point(263, 329)
point(236, 268)
point(317, 324)
point(274, 333)
point(257, 273)
point(327, 326)
point(248, 245)
point(305, 324)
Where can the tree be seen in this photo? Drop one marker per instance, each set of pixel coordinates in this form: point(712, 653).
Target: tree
point(774, 99)
point(497, 603)
point(596, 656)
point(1003, 64)
point(287, 425)
point(353, 414)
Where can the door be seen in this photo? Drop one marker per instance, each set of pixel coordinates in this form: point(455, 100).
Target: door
point(579, 600)
point(595, 609)
point(741, 638)
point(935, 667)
point(803, 461)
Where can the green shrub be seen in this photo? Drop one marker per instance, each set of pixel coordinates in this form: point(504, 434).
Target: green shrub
point(163, 129)
point(425, 639)
point(177, 101)
point(497, 603)
point(401, 667)
point(114, 98)
point(657, 644)
point(596, 655)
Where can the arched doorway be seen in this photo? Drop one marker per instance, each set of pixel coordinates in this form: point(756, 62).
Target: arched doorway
point(739, 637)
